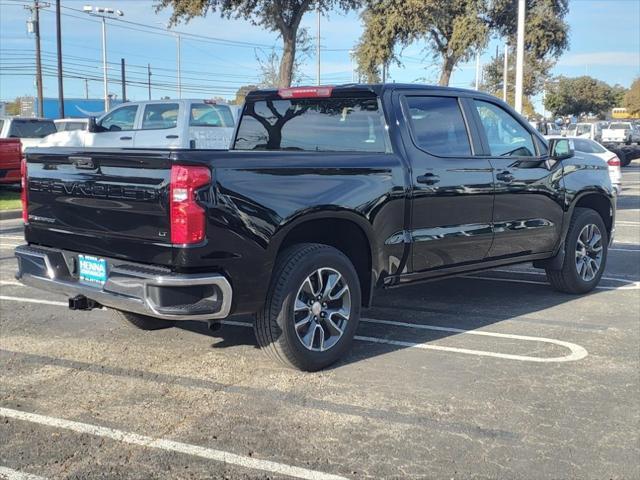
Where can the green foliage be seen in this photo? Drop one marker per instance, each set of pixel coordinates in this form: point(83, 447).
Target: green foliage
point(632, 98)
point(242, 93)
point(579, 96)
point(454, 31)
point(282, 16)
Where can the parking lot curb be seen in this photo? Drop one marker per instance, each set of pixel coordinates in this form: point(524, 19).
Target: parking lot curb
point(10, 214)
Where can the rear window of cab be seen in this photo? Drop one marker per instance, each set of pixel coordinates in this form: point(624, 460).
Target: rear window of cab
point(313, 124)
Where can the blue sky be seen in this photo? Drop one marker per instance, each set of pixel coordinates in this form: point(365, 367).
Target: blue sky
point(604, 36)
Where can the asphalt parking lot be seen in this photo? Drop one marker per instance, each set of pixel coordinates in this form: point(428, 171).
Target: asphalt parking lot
point(492, 375)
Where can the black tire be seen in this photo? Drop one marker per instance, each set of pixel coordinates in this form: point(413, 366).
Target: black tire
point(625, 159)
point(274, 325)
point(567, 279)
point(142, 322)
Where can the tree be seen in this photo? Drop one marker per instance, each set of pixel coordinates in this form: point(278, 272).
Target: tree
point(619, 93)
point(269, 61)
point(453, 30)
point(632, 98)
point(242, 93)
point(281, 16)
point(579, 96)
point(546, 37)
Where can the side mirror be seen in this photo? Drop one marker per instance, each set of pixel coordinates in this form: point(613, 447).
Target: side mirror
point(561, 148)
point(92, 126)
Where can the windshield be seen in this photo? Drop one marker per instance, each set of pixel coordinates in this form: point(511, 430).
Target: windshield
point(31, 128)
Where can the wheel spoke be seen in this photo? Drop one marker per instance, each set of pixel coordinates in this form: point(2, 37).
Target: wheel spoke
point(300, 306)
point(321, 330)
point(332, 325)
point(303, 322)
point(341, 293)
point(310, 335)
point(595, 240)
point(332, 281)
point(318, 275)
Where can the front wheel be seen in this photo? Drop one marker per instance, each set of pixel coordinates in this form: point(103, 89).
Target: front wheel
point(585, 254)
point(312, 308)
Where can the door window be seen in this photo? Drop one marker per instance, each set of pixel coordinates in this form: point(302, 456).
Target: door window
point(506, 136)
point(210, 115)
point(438, 126)
point(159, 116)
point(122, 118)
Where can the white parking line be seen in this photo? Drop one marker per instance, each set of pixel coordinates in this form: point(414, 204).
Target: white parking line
point(626, 223)
point(170, 445)
point(577, 352)
point(624, 280)
point(624, 249)
point(10, 474)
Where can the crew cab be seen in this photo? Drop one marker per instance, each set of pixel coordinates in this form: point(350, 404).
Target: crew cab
point(327, 195)
point(155, 124)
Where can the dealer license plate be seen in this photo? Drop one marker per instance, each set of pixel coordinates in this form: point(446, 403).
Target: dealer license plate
point(92, 270)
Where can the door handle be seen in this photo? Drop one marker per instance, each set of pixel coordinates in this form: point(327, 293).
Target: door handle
point(126, 138)
point(428, 178)
point(171, 136)
point(505, 176)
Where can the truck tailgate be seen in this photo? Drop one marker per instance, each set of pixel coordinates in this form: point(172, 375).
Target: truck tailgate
point(109, 203)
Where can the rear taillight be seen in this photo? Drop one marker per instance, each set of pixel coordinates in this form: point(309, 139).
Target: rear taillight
point(614, 161)
point(187, 216)
point(23, 190)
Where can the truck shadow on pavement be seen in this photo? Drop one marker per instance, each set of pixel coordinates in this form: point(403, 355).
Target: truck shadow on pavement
point(460, 303)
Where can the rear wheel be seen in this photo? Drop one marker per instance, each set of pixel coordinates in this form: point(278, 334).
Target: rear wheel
point(312, 309)
point(585, 254)
point(142, 322)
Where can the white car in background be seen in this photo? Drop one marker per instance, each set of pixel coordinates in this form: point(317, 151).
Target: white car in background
point(591, 147)
point(66, 124)
point(201, 124)
point(30, 131)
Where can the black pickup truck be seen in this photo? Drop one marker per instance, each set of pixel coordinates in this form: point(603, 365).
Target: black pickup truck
point(327, 194)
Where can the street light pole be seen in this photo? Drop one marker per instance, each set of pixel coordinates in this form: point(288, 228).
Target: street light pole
point(520, 56)
point(318, 45)
point(59, 58)
point(505, 72)
point(105, 78)
point(102, 12)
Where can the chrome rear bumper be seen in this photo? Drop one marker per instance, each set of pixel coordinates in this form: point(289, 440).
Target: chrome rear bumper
point(143, 289)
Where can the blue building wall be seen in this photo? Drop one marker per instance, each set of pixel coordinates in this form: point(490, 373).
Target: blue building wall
point(75, 107)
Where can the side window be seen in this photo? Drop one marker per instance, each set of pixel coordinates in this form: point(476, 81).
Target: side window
point(506, 136)
point(157, 116)
point(122, 118)
point(438, 126)
point(210, 115)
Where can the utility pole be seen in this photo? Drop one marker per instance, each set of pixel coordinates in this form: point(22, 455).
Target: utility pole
point(520, 56)
point(179, 67)
point(86, 88)
point(102, 12)
point(149, 79)
point(478, 70)
point(59, 54)
point(505, 72)
point(34, 25)
point(318, 44)
point(123, 80)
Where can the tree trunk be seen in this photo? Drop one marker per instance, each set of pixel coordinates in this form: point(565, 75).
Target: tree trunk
point(447, 68)
point(288, 58)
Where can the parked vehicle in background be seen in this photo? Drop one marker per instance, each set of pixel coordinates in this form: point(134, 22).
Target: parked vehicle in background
point(592, 130)
point(66, 124)
point(10, 158)
point(591, 147)
point(30, 131)
point(327, 194)
point(620, 132)
point(195, 124)
point(545, 127)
